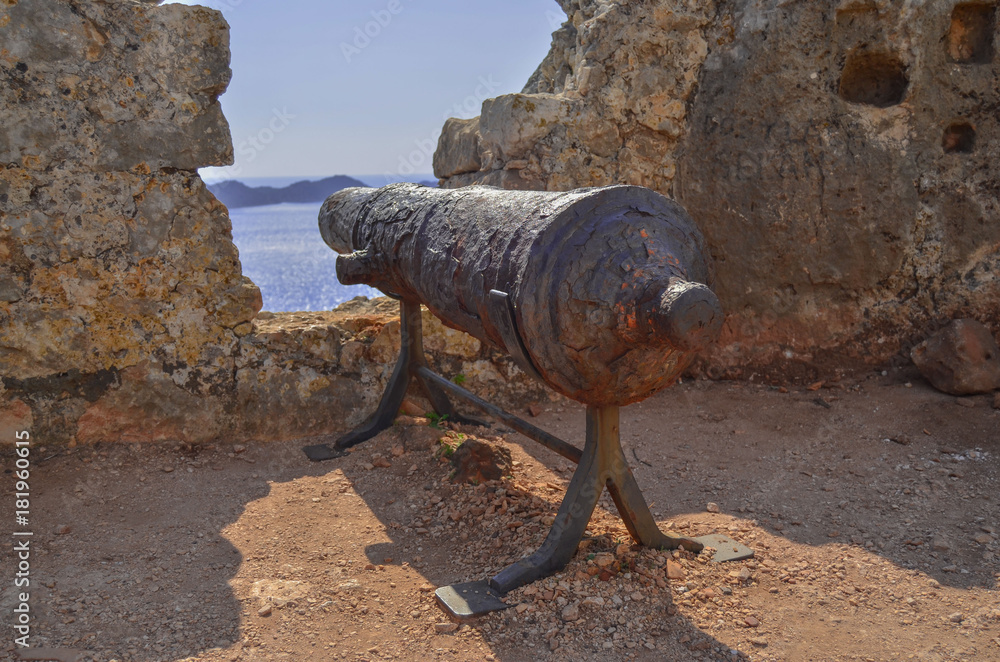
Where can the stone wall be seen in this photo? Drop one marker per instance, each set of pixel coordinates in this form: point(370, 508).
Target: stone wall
point(123, 311)
point(840, 158)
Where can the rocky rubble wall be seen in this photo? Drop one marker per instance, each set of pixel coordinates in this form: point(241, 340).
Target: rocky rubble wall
point(124, 314)
point(840, 158)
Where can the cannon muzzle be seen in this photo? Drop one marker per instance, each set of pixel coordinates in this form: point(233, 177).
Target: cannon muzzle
point(602, 292)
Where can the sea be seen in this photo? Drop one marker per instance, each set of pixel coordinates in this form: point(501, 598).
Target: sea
point(283, 253)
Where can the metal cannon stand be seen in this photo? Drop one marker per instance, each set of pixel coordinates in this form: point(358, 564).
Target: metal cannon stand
point(601, 464)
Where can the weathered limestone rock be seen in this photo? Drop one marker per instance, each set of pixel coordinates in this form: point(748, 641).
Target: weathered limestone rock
point(113, 86)
point(121, 298)
point(839, 157)
point(961, 359)
point(459, 152)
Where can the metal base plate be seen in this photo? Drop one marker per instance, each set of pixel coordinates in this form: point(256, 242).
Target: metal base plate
point(469, 599)
point(321, 452)
point(726, 549)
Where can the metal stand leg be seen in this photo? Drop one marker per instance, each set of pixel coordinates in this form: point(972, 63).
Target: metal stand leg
point(411, 357)
point(603, 465)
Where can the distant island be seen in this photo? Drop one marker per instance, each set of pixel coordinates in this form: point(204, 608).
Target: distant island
point(235, 194)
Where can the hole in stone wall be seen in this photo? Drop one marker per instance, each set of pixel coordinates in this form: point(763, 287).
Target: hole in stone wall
point(875, 79)
point(959, 138)
point(970, 38)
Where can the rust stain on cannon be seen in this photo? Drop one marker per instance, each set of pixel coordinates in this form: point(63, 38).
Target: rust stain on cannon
point(608, 287)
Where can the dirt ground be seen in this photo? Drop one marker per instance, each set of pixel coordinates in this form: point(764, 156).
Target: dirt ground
point(872, 506)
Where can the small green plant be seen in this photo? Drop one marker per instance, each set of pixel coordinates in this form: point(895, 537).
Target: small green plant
point(445, 450)
point(448, 444)
point(459, 379)
point(436, 419)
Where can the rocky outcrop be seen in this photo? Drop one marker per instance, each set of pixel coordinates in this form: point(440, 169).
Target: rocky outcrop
point(119, 281)
point(124, 314)
point(839, 157)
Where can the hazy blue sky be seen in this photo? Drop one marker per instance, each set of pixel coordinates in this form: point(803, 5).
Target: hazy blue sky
point(325, 87)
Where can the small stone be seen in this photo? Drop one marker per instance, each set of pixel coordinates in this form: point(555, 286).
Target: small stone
point(960, 359)
point(637, 597)
point(63, 529)
point(411, 408)
point(570, 613)
point(996, 400)
point(593, 601)
point(940, 545)
point(445, 628)
point(751, 622)
point(712, 507)
point(675, 571)
point(239, 448)
point(603, 559)
point(534, 410)
point(521, 608)
point(957, 617)
point(412, 421)
point(368, 466)
point(745, 575)
point(167, 470)
point(398, 450)
point(759, 641)
point(478, 461)
point(264, 611)
point(381, 461)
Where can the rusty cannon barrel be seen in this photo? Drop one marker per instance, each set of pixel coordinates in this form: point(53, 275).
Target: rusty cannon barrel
point(601, 292)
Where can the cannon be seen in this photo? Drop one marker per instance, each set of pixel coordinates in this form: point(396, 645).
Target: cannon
point(601, 293)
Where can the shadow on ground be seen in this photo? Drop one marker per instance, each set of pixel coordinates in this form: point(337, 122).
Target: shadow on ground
point(872, 506)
